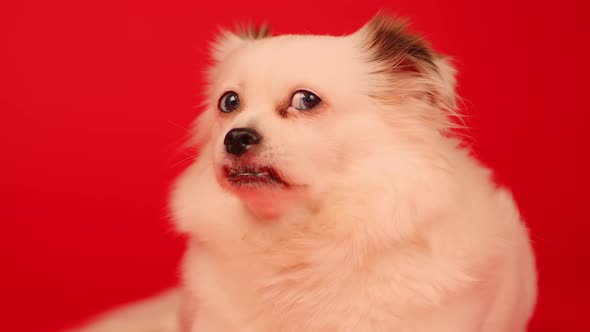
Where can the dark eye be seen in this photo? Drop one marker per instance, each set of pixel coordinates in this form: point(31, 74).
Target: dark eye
point(304, 100)
point(229, 102)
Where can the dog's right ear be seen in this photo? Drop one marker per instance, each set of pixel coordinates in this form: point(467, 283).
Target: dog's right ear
point(228, 41)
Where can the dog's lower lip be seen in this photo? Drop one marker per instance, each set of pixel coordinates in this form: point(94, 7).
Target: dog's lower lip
point(245, 175)
point(238, 174)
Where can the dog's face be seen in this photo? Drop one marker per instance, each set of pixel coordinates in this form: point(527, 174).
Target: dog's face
point(289, 116)
point(292, 118)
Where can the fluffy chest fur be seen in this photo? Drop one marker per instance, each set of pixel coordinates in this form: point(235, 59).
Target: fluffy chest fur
point(303, 274)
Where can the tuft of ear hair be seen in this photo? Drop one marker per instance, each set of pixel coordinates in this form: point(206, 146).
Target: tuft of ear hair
point(228, 40)
point(402, 55)
point(390, 42)
point(252, 31)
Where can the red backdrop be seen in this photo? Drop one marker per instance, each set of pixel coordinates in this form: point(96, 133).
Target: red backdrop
point(95, 97)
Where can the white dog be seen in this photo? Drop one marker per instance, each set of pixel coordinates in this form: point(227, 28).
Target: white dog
point(330, 194)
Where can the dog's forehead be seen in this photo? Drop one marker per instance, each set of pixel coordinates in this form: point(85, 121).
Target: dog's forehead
point(281, 63)
point(298, 48)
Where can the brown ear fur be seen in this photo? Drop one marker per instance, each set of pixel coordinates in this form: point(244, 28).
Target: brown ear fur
point(390, 42)
point(402, 55)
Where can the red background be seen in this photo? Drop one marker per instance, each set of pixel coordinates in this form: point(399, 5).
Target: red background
point(95, 97)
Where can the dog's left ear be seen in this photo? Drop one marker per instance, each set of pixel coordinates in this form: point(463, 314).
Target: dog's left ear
point(402, 55)
point(228, 41)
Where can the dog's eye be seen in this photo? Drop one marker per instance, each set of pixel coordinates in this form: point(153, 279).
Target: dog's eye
point(304, 100)
point(229, 102)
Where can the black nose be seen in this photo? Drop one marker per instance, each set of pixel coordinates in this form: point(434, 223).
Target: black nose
point(238, 140)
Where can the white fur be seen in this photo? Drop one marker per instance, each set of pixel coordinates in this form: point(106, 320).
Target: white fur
point(395, 227)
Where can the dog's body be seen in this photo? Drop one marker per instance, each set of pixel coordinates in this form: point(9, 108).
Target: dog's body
point(329, 195)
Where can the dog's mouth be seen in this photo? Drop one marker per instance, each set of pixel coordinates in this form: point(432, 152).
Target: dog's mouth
point(253, 175)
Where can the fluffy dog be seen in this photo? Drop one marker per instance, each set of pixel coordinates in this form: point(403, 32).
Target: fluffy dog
point(330, 194)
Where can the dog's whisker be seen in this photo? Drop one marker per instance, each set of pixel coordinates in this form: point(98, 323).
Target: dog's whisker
point(184, 160)
point(190, 131)
point(540, 238)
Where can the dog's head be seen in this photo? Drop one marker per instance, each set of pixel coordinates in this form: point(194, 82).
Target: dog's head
point(291, 119)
